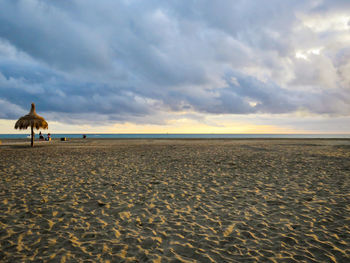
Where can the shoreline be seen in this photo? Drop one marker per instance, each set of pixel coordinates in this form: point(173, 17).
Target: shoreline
point(188, 136)
point(179, 139)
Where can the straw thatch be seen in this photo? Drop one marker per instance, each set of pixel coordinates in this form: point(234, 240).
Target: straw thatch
point(31, 120)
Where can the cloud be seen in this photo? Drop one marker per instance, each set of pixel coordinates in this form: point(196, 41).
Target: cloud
point(143, 61)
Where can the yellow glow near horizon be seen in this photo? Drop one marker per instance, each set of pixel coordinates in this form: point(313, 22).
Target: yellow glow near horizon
point(174, 126)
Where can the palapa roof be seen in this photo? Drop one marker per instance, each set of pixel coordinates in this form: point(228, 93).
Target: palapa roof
point(31, 120)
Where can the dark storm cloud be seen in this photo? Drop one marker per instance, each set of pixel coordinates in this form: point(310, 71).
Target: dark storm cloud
point(133, 59)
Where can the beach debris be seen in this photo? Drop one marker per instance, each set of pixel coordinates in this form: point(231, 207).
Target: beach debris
point(32, 119)
point(100, 204)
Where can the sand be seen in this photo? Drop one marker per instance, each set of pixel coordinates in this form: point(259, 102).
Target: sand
point(175, 201)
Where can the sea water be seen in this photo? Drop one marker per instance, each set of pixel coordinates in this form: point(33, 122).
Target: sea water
point(181, 136)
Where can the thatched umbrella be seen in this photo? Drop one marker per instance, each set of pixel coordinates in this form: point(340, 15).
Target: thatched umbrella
point(33, 120)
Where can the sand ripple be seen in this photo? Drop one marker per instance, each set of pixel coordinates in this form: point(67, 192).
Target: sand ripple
point(176, 201)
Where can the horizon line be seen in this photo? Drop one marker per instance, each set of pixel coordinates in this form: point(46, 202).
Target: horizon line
point(305, 133)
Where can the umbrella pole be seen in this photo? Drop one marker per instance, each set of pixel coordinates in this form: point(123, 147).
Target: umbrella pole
point(32, 138)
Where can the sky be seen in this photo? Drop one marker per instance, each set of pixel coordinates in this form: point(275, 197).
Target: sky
point(192, 66)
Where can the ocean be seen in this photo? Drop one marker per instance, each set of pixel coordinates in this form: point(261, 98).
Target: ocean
point(184, 136)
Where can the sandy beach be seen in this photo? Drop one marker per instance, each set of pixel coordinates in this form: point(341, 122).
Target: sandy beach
point(175, 201)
